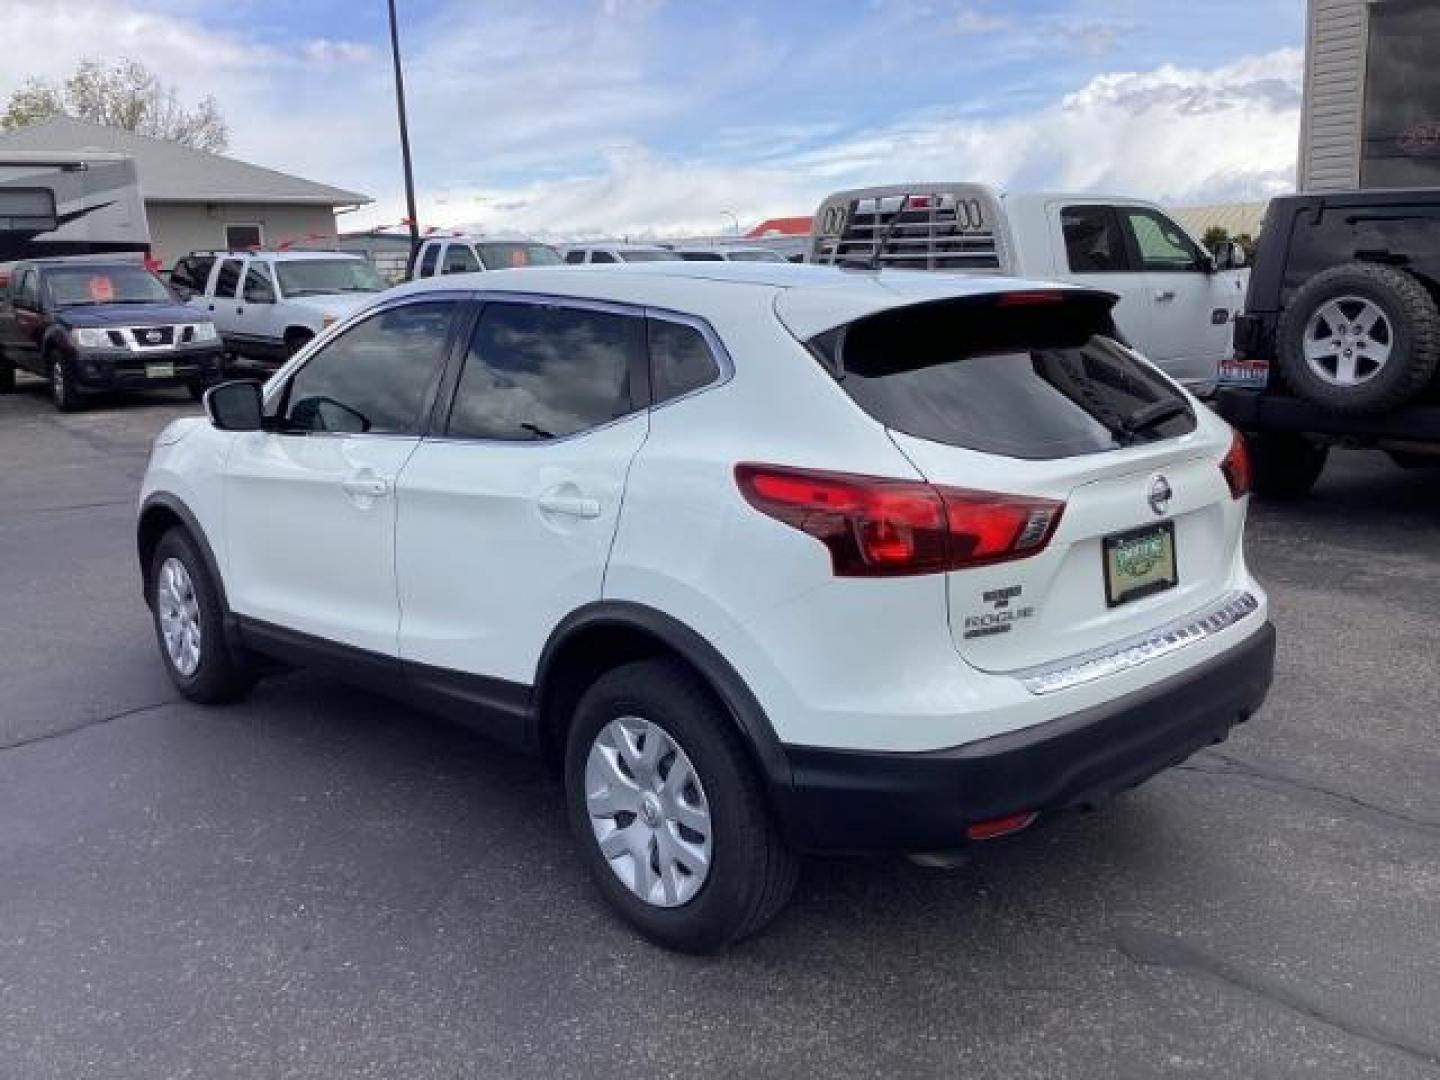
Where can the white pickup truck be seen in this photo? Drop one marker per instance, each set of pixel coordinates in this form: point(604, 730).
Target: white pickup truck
point(267, 304)
point(1177, 300)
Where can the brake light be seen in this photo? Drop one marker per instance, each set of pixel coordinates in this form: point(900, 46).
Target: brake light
point(1236, 467)
point(1029, 299)
point(879, 527)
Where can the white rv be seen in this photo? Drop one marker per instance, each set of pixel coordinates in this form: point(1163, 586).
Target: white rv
point(54, 204)
point(1176, 300)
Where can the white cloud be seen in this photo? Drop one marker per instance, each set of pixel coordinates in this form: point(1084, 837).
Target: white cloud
point(971, 21)
point(1173, 134)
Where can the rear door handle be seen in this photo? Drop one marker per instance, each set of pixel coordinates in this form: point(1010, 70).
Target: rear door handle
point(366, 487)
point(570, 505)
point(1164, 294)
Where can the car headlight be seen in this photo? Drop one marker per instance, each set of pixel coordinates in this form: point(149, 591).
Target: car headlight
point(90, 337)
point(204, 331)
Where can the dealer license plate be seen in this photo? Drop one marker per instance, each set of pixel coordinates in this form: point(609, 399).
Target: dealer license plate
point(159, 371)
point(1139, 562)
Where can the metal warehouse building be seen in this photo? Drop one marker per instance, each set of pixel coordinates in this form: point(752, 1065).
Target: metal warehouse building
point(1371, 117)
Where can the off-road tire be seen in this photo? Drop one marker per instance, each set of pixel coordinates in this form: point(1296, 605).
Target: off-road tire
point(1415, 349)
point(752, 872)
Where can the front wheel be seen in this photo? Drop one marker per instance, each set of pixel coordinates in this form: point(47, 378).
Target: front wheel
point(190, 624)
point(62, 388)
point(669, 813)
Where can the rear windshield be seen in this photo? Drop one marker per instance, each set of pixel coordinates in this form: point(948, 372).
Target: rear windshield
point(1018, 375)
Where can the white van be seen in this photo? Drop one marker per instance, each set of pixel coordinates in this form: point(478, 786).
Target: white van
point(1177, 301)
point(58, 204)
point(470, 254)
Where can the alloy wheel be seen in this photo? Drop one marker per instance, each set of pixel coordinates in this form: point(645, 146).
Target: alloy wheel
point(1348, 340)
point(648, 811)
point(179, 610)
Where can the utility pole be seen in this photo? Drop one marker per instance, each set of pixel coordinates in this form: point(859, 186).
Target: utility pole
point(404, 135)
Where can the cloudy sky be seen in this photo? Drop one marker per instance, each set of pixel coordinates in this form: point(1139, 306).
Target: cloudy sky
point(579, 117)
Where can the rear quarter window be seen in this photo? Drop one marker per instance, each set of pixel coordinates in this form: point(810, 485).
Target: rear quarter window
point(1035, 380)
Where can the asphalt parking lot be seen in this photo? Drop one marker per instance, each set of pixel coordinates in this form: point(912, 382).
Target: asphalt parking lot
point(320, 883)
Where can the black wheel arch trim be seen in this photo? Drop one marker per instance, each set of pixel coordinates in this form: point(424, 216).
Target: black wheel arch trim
point(690, 646)
point(162, 500)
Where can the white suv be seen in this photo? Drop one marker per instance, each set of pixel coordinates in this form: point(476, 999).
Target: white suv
point(461, 254)
point(766, 558)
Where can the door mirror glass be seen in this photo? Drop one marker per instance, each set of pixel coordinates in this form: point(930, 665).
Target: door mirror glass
point(235, 406)
point(1229, 255)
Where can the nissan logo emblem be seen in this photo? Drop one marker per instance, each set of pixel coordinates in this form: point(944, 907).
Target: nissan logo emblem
point(153, 336)
point(1160, 494)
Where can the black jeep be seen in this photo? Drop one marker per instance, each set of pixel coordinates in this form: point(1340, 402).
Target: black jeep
point(1340, 339)
point(91, 326)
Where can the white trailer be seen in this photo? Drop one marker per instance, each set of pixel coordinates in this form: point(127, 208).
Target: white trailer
point(58, 204)
point(1177, 300)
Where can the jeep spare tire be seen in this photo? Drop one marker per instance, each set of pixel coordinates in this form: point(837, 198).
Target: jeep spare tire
point(1360, 338)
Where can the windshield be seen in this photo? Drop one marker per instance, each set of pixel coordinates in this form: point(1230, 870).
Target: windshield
point(1033, 380)
point(319, 277)
point(83, 285)
point(648, 255)
point(508, 256)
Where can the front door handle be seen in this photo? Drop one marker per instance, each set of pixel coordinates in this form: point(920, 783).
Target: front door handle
point(570, 505)
point(364, 489)
point(1164, 294)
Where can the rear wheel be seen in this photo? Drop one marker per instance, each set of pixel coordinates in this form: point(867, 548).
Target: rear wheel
point(190, 624)
point(1360, 338)
point(1286, 466)
point(62, 388)
point(668, 810)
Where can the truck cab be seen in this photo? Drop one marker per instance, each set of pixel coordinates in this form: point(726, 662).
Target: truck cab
point(472, 254)
point(1176, 300)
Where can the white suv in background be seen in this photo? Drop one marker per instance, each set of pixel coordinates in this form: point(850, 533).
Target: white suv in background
point(765, 558)
point(268, 304)
point(469, 254)
point(618, 253)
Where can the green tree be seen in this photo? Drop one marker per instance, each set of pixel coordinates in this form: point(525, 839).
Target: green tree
point(1214, 235)
point(124, 94)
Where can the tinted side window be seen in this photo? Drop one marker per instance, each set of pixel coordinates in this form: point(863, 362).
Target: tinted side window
point(536, 372)
point(602, 256)
point(428, 258)
point(1094, 243)
point(27, 292)
point(190, 273)
point(701, 256)
point(460, 259)
point(376, 376)
point(575, 256)
point(228, 280)
point(1162, 244)
point(680, 360)
point(259, 288)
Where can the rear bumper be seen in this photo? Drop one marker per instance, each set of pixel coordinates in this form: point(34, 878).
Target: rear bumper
point(846, 800)
point(1258, 411)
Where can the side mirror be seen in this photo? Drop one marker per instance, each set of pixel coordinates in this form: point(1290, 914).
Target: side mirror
point(235, 406)
point(1229, 255)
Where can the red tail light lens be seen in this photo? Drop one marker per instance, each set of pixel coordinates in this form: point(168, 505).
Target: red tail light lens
point(1236, 467)
point(877, 527)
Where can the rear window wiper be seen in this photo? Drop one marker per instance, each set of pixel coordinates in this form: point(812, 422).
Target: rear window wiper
point(1149, 416)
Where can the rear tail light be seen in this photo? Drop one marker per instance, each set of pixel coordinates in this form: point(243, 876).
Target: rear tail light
point(1236, 467)
point(877, 527)
point(998, 827)
point(1029, 299)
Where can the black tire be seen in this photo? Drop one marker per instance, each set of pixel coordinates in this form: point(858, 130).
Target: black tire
point(7, 374)
point(221, 675)
point(751, 872)
point(197, 390)
point(1285, 466)
point(62, 386)
point(1414, 347)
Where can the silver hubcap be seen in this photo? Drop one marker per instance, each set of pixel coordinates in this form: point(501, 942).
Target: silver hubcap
point(179, 616)
point(1348, 341)
point(648, 811)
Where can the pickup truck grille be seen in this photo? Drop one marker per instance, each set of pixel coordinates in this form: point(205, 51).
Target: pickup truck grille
point(152, 336)
point(918, 231)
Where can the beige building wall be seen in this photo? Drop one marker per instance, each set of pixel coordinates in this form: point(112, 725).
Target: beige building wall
point(176, 229)
point(1330, 126)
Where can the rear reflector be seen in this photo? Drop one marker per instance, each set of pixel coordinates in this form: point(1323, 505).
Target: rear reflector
point(878, 527)
point(1003, 826)
point(1236, 467)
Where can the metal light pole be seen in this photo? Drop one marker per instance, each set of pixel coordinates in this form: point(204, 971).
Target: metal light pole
point(404, 135)
point(734, 220)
